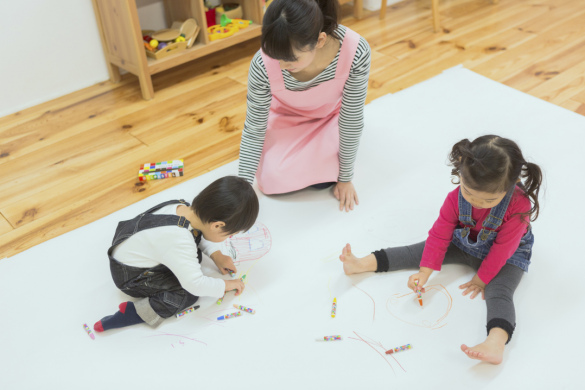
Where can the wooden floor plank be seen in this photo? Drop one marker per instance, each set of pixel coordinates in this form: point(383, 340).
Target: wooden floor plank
point(563, 86)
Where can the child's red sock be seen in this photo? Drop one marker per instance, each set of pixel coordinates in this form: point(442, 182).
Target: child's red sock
point(125, 317)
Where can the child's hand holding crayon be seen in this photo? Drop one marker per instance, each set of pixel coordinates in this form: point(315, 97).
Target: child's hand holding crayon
point(223, 262)
point(421, 277)
point(235, 284)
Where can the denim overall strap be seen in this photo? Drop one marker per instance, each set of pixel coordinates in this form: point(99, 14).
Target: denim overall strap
point(148, 220)
point(495, 218)
point(465, 215)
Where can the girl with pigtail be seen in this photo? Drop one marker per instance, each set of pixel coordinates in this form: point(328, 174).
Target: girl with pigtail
point(484, 223)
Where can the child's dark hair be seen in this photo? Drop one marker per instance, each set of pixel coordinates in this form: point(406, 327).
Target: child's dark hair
point(494, 164)
point(297, 23)
point(229, 199)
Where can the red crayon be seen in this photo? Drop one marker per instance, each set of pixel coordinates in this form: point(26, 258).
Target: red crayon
point(403, 348)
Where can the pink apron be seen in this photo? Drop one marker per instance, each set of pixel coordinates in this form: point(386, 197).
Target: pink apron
point(301, 147)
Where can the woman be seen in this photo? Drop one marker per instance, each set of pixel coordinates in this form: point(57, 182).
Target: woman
point(306, 92)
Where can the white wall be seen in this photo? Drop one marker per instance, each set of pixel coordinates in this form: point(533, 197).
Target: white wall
point(52, 48)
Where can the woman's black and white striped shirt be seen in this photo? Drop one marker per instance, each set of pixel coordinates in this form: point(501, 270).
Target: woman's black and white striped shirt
point(351, 116)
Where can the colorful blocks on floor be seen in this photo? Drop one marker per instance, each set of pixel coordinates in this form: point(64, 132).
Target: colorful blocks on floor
point(160, 170)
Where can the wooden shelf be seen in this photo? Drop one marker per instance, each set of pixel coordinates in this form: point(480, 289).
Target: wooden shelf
point(121, 36)
point(199, 50)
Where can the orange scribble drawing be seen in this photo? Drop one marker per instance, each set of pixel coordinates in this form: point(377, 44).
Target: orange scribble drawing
point(405, 308)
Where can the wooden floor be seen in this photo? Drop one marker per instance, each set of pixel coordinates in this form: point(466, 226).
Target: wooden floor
point(75, 159)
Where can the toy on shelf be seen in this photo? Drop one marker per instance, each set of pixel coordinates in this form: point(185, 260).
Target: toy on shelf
point(231, 10)
point(241, 23)
point(218, 32)
point(160, 170)
point(180, 36)
point(189, 29)
point(227, 27)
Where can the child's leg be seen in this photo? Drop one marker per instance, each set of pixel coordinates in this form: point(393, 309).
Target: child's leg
point(398, 258)
point(501, 315)
point(390, 259)
point(161, 293)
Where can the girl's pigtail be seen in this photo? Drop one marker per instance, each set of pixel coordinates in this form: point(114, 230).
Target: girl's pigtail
point(459, 151)
point(533, 175)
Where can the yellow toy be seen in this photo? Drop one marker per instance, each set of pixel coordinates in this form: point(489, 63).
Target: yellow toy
point(153, 43)
point(241, 23)
point(218, 32)
point(180, 39)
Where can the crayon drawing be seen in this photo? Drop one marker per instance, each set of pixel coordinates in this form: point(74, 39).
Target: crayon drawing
point(373, 302)
point(379, 348)
point(404, 306)
point(250, 245)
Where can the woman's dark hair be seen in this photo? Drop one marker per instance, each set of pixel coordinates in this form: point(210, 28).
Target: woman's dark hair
point(494, 164)
point(231, 200)
point(297, 23)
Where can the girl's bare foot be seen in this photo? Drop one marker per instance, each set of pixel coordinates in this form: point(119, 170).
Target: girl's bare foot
point(491, 350)
point(354, 265)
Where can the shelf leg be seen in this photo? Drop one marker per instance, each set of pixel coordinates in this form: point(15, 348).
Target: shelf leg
point(146, 86)
point(436, 18)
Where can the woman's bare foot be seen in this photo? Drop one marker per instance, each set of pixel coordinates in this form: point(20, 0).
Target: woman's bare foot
point(354, 265)
point(491, 350)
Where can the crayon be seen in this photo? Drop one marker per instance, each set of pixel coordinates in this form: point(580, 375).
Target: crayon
point(418, 292)
point(89, 332)
point(403, 348)
point(244, 308)
point(232, 273)
point(334, 308)
point(231, 315)
point(187, 311)
point(220, 300)
point(329, 338)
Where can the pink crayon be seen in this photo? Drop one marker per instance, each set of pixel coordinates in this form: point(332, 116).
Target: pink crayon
point(231, 315)
point(89, 332)
point(329, 338)
point(244, 308)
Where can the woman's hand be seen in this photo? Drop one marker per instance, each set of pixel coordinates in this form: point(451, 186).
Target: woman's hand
point(346, 194)
point(475, 286)
point(223, 262)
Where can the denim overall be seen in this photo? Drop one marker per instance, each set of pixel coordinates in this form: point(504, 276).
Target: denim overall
point(159, 284)
point(485, 238)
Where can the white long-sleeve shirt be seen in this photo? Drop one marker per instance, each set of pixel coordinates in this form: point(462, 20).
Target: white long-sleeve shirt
point(175, 248)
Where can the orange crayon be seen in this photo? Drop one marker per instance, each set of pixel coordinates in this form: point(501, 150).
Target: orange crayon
point(418, 292)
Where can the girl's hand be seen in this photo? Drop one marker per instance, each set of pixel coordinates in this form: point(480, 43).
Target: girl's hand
point(475, 286)
point(235, 284)
point(346, 194)
point(421, 277)
point(223, 262)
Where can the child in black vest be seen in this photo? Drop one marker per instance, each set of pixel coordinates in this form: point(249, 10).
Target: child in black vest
point(156, 256)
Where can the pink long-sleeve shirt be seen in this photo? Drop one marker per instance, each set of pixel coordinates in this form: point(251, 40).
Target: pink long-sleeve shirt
point(507, 241)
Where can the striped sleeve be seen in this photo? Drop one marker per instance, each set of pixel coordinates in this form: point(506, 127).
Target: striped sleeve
point(258, 105)
point(351, 115)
